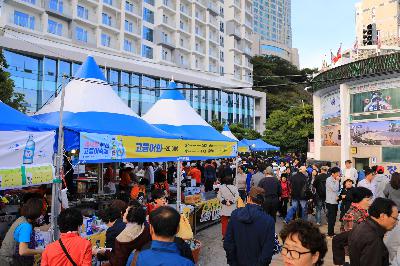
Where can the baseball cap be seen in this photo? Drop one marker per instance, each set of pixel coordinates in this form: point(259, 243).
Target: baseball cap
point(380, 168)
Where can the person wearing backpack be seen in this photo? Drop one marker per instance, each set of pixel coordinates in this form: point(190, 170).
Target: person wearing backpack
point(320, 189)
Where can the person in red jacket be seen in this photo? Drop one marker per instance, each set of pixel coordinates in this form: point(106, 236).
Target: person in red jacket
point(195, 173)
point(79, 249)
point(285, 196)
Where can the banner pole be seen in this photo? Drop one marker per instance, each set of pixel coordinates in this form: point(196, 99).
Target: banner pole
point(56, 188)
point(178, 186)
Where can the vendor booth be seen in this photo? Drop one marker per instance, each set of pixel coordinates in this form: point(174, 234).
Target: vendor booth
point(259, 145)
point(173, 114)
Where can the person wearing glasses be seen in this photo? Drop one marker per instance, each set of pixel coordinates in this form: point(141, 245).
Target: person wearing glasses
point(303, 244)
point(366, 246)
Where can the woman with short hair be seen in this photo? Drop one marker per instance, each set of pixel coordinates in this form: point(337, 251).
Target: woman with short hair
point(18, 247)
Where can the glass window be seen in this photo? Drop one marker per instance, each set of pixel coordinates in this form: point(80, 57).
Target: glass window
point(81, 34)
point(129, 6)
point(148, 93)
point(49, 80)
point(147, 34)
point(128, 26)
point(109, 2)
point(135, 93)
point(24, 20)
point(124, 92)
point(105, 40)
point(64, 68)
point(56, 5)
point(128, 45)
point(151, 2)
point(113, 78)
point(54, 27)
point(33, 2)
point(24, 72)
point(147, 51)
point(148, 15)
point(106, 19)
point(75, 67)
point(83, 12)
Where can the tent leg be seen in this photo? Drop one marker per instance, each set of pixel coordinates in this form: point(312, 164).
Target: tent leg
point(178, 186)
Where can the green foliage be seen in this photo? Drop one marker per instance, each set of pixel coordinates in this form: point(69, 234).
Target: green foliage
point(290, 129)
point(238, 130)
point(7, 94)
point(291, 82)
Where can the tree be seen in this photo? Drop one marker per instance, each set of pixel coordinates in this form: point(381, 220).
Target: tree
point(7, 94)
point(217, 125)
point(290, 129)
point(238, 130)
point(287, 82)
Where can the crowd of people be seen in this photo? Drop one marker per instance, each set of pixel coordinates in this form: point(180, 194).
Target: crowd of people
point(142, 229)
point(364, 202)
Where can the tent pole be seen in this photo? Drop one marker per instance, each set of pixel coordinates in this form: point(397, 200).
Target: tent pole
point(178, 186)
point(57, 184)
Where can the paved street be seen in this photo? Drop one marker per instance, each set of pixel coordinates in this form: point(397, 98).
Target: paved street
point(213, 254)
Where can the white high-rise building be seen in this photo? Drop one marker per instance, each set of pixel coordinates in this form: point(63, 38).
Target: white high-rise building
point(201, 43)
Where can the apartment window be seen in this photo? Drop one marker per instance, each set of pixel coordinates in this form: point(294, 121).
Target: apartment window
point(165, 37)
point(181, 42)
point(81, 34)
point(106, 19)
point(108, 2)
point(128, 26)
point(105, 40)
point(221, 11)
point(147, 51)
point(148, 34)
point(54, 27)
point(165, 19)
point(164, 55)
point(221, 26)
point(129, 7)
point(197, 46)
point(150, 2)
point(183, 9)
point(221, 70)
point(24, 20)
point(83, 12)
point(128, 46)
point(196, 63)
point(56, 5)
point(33, 2)
point(148, 15)
point(221, 41)
point(182, 60)
point(221, 56)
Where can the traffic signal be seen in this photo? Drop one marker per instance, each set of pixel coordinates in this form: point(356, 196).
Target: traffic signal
point(370, 35)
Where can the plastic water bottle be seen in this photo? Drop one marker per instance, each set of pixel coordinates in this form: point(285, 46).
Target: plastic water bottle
point(29, 151)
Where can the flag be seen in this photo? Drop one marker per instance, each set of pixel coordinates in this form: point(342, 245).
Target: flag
point(332, 58)
point(339, 54)
point(355, 47)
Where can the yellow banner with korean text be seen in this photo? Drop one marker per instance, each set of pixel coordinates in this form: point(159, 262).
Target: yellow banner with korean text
point(26, 175)
point(102, 147)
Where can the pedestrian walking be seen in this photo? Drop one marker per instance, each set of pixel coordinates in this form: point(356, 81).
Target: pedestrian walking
point(272, 188)
point(249, 177)
point(381, 181)
point(320, 193)
point(366, 244)
point(299, 194)
point(332, 192)
point(358, 213)
point(258, 176)
point(228, 196)
point(241, 182)
point(349, 172)
point(250, 237)
point(345, 197)
point(392, 190)
point(285, 195)
point(303, 244)
point(368, 181)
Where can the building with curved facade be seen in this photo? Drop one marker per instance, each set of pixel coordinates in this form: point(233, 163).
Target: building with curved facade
point(357, 113)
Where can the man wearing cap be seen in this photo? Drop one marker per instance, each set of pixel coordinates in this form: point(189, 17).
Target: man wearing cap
point(349, 172)
point(250, 236)
point(381, 181)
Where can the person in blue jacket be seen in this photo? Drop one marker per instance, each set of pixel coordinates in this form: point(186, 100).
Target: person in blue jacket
point(250, 173)
point(250, 237)
point(164, 225)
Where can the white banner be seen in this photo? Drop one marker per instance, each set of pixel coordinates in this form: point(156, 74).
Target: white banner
point(330, 105)
point(26, 148)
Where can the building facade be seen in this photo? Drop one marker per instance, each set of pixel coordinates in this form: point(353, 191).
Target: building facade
point(384, 14)
point(273, 29)
point(138, 43)
point(357, 113)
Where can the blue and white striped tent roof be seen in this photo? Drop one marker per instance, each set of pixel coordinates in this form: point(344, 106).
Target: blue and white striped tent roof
point(91, 105)
point(227, 132)
point(173, 114)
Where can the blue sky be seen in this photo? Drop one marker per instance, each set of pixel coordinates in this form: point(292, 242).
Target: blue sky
point(321, 25)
